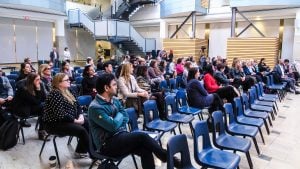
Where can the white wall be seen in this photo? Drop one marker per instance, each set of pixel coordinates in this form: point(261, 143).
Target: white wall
point(270, 28)
point(219, 33)
point(151, 32)
point(288, 39)
point(187, 29)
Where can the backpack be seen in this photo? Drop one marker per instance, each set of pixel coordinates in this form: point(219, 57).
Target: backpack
point(9, 134)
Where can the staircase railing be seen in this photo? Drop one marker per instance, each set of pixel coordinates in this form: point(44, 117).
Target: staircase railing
point(104, 29)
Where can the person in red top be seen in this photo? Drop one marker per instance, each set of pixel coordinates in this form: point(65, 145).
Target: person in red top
point(179, 67)
point(211, 85)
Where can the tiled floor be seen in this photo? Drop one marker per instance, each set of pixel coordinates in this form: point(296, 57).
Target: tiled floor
point(281, 151)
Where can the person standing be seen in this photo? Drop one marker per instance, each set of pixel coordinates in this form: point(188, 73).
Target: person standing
point(54, 57)
point(67, 54)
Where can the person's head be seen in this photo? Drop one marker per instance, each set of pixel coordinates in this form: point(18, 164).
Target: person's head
point(88, 71)
point(50, 64)
point(179, 60)
point(153, 63)
point(210, 69)
point(280, 61)
point(262, 60)
point(66, 49)
point(27, 60)
point(33, 81)
point(25, 68)
point(1, 72)
point(65, 66)
point(108, 67)
point(235, 61)
point(106, 84)
point(286, 61)
point(142, 61)
point(61, 81)
point(142, 71)
point(89, 61)
point(44, 70)
point(126, 71)
point(163, 64)
point(193, 73)
point(187, 65)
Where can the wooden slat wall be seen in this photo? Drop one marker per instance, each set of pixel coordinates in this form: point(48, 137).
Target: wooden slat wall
point(253, 48)
point(185, 47)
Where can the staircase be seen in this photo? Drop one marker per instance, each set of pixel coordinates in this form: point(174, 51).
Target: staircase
point(126, 8)
point(115, 31)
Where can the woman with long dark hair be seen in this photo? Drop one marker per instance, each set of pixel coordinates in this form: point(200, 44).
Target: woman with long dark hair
point(24, 71)
point(227, 92)
point(197, 94)
point(89, 81)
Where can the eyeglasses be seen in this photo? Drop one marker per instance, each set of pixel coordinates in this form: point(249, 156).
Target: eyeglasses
point(48, 68)
point(67, 80)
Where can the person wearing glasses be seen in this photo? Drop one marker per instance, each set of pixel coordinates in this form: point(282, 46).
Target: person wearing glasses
point(63, 115)
point(46, 78)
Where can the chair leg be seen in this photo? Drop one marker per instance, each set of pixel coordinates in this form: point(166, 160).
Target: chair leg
point(45, 140)
point(93, 162)
point(272, 114)
point(270, 121)
point(179, 129)
point(276, 105)
point(134, 161)
point(261, 135)
point(249, 160)
point(192, 129)
point(267, 127)
point(22, 133)
point(256, 146)
point(56, 152)
point(37, 123)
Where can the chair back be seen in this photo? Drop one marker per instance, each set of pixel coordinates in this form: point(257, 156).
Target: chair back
point(218, 123)
point(201, 129)
point(12, 76)
point(13, 84)
point(179, 82)
point(181, 98)
point(163, 86)
point(150, 106)
point(229, 110)
point(56, 70)
point(170, 101)
point(172, 82)
point(16, 72)
point(84, 100)
point(272, 79)
point(178, 144)
point(269, 81)
point(133, 124)
point(78, 80)
point(238, 106)
point(251, 96)
point(261, 89)
point(245, 101)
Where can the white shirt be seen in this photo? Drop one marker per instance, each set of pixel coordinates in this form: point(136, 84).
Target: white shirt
point(67, 55)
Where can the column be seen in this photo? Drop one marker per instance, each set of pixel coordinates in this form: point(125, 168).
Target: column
point(164, 33)
point(296, 47)
point(193, 25)
point(60, 36)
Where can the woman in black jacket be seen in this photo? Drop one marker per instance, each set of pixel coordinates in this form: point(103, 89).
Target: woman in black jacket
point(29, 99)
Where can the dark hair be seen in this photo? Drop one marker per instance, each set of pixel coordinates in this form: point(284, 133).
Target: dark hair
point(286, 60)
point(192, 73)
point(104, 79)
point(29, 85)
point(262, 59)
point(179, 60)
point(106, 64)
point(88, 59)
point(141, 70)
point(26, 60)
point(152, 63)
point(220, 66)
point(66, 48)
point(23, 65)
point(209, 69)
point(85, 72)
point(63, 64)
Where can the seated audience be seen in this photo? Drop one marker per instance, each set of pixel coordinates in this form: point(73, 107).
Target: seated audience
point(29, 101)
point(24, 71)
point(46, 78)
point(262, 66)
point(129, 91)
point(198, 96)
point(221, 77)
point(88, 83)
point(108, 121)
point(65, 68)
point(227, 92)
point(6, 92)
point(240, 79)
point(63, 115)
point(28, 60)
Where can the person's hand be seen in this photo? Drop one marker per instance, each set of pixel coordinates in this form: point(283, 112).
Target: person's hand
point(243, 79)
point(2, 101)
point(80, 120)
point(9, 98)
point(231, 80)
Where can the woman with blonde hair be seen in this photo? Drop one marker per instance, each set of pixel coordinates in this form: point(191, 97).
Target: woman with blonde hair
point(63, 115)
point(45, 73)
point(129, 89)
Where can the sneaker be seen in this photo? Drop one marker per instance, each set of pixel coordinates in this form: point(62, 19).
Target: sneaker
point(24, 123)
point(42, 134)
point(80, 155)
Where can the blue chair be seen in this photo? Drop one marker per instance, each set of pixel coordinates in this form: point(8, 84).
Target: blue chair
point(233, 128)
point(163, 86)
point(265, 98)
point(176, 117)
point(179, 82)
point(253, 92)
point(183, 106)
point(80, 71)
point(242, 119)
point(279, 88)
point(173, 85)
point(133, 124)
point(55, 69)
point(209, 156)
point(13, 84)
point(78, 80)
point(258, 107)
point(225, 141)
point(15, 72)
point(76, 68)
point(178, 144)
point(12, 76)
point(261, 91)
point(152, 121)
point(252, 113)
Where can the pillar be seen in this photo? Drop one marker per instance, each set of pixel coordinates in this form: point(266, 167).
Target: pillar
point(164, 33)
point(296, 47)
point(60, 36)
